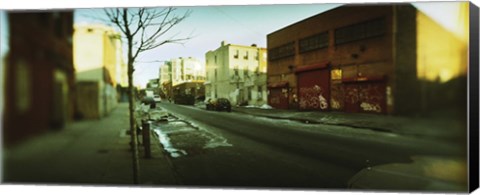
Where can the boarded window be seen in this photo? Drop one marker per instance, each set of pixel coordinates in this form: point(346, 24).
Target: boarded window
point(317, 41)
point(364, 30)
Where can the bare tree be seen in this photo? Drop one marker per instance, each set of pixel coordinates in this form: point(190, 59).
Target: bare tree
point(144, 29)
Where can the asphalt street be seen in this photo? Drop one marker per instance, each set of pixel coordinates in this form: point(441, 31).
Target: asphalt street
point(262, 152)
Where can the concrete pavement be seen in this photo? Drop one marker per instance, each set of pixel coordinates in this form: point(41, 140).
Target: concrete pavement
point(90, 152)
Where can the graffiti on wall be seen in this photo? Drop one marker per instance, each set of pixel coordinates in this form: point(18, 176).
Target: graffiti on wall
point(351, 95)
point(336, 104)
point(366, 97)
point(337, 97)
point(312, 98)
point(370, 107)
point(371, 97)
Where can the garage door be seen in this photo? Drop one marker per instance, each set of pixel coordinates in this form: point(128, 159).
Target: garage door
point(314, 89)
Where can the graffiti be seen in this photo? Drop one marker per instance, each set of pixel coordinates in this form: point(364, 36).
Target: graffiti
point(370, 107)
point(337, 97)
point(368, 97)
point(336, 104)
point(323, 102)
point(312, 97)
point(352, 95)
point(371, 93)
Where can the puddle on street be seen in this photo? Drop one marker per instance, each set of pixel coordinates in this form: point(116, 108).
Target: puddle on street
point(180, 138)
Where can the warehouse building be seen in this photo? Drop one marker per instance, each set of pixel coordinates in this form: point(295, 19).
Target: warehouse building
point(367, 58)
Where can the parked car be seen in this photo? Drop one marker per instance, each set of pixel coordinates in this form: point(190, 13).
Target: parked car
point(157, 98)
point(148, 100)
point(218, 104)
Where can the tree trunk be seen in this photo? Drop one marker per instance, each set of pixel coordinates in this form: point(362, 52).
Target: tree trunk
point(133, 130)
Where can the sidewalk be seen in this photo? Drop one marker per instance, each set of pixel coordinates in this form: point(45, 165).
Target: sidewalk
point(441, 128)
point(89, 152)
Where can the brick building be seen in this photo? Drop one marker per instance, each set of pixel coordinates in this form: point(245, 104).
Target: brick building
point(358, 58)
point(39, 74)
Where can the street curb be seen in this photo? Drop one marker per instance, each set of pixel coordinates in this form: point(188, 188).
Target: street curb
point(178, 181)
point(307, 121)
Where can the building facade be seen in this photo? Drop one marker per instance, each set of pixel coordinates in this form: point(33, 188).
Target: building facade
point(182, 80)
point(39, 74)
point(237, 73)
point(165, 80)
point(187, 70)
point(97, 58)
point(356, 59)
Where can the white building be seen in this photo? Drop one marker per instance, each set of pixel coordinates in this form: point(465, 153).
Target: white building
point(165, 75)
point(237, 73)
point(187, 70)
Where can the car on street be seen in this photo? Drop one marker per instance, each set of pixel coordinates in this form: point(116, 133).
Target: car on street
point(148, 100)
point(218, 104)
point(157, 98)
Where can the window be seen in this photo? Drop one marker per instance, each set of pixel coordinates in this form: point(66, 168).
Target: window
point(245, 73)
point(336, 74)
point(236, 54)
point(235, 70)
point(283, 51)
point(314, 42)
point(364, 30)
point(215, 59)
point(246, 56)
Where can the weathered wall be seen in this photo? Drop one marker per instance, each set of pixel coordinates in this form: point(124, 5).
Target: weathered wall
point(360, 60)
point(39, 46)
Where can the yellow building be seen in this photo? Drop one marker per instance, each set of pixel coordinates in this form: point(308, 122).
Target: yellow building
point(442, 53)
point(99, 67)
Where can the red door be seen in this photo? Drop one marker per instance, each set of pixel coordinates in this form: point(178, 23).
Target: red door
point(368, 97)
point(314, 89)
point(278, 97)
point(351, 103)
point(372, 97)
